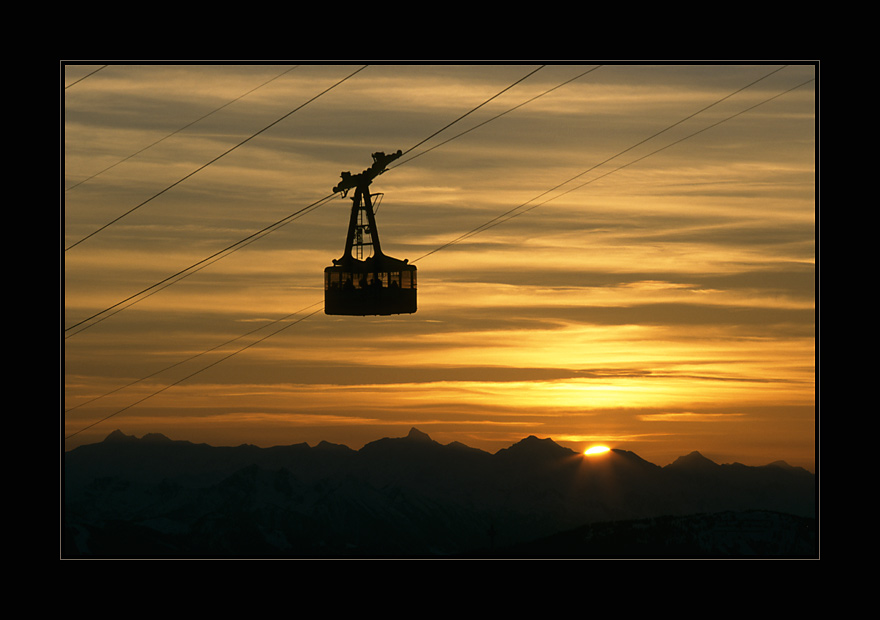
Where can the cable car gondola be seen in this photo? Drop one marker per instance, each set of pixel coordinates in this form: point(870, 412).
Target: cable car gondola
point(375, 284)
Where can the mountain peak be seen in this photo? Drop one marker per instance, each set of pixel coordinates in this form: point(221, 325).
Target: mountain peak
point(414, 440)
point(417, 435)
point(118, 436)
point(633, 458)
point(693, 460)
point(533, 446)
point(781, 464)
point(531, 440)
point(338, 447)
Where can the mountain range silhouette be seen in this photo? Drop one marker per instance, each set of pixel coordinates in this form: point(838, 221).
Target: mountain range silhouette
point(414, 497)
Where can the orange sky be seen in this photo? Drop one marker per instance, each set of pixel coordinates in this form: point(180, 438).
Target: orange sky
point(666, 307)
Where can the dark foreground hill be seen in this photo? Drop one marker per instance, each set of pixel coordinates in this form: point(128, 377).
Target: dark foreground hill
point(413, 497)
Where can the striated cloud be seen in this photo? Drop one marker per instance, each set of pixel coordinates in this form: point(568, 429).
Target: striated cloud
point(640, 238)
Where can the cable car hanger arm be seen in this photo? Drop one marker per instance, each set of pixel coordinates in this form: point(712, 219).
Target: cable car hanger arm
point(380, 162)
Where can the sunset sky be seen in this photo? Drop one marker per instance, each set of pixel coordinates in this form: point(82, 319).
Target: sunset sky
point(655, 290)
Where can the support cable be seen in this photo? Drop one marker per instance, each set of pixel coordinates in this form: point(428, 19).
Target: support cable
point(516, 107)
point(203, 166)
point(121, 305)
point(203, 369)
point(460, 118)
point(177, 131)
point(498, 220)
point(502, 217)
point(85, 76)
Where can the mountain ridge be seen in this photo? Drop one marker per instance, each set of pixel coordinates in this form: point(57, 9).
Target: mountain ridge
point(399, 496)
point(531, 443)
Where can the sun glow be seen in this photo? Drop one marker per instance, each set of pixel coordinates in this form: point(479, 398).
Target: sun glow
point(596, 450)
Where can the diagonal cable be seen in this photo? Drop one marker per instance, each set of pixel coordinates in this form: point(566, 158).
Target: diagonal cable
point(493, 222)
point(203, 369)
point(203, 166)
point(177, 131)
point(193, 268)
point(85, 76)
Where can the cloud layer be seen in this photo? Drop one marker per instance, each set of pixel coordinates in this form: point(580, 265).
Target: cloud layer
point(668, 305)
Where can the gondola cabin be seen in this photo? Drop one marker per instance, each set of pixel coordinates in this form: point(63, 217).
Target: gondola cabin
point(370, 287)
point(365, 281)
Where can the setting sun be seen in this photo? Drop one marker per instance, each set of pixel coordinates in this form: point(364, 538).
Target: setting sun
point(596, 450)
